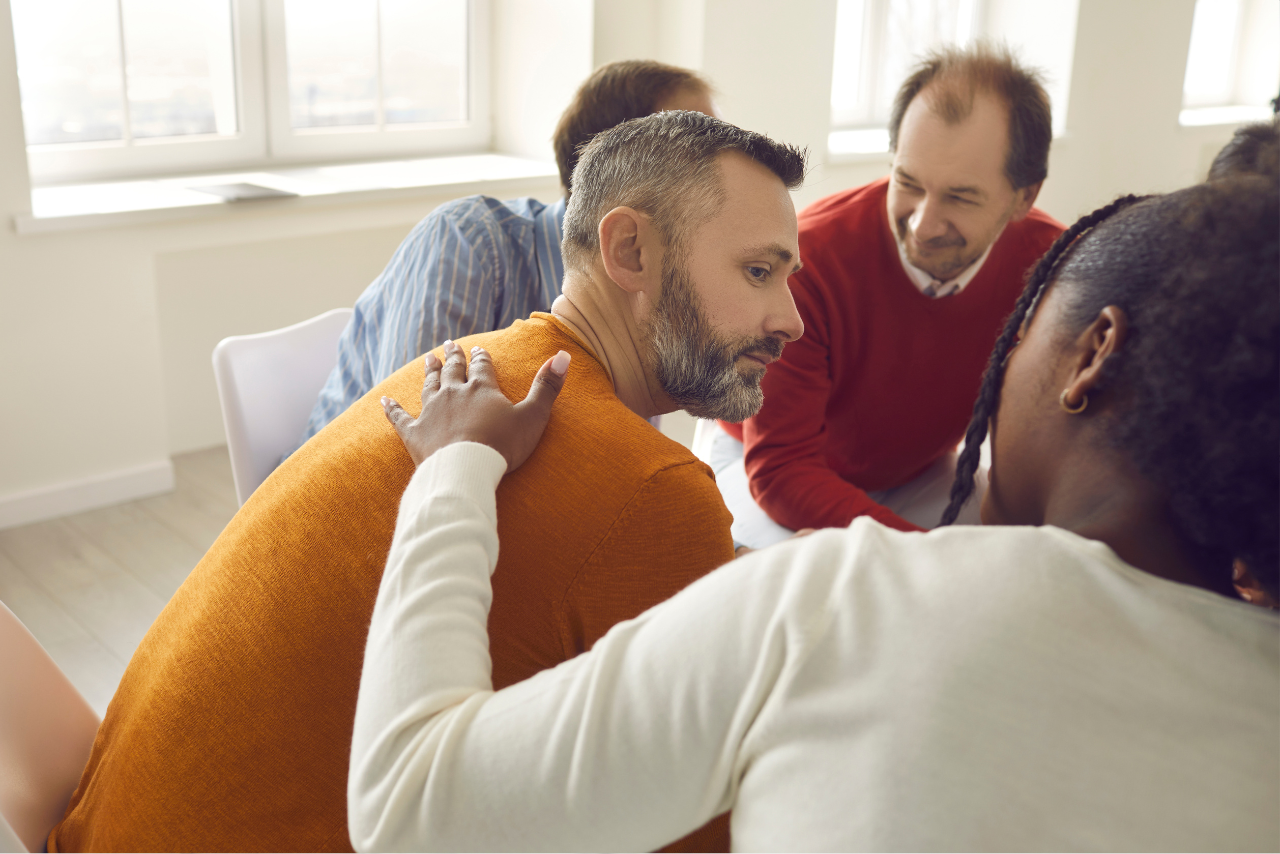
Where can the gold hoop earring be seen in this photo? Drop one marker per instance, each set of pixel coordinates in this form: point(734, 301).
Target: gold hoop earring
point(1062, 401)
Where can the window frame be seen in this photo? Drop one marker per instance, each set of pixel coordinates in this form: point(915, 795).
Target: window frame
point(1007, 22)
point(872, 65)
point(264, 137)
point(149, 157)
point(1233, 104)
point(338, 143)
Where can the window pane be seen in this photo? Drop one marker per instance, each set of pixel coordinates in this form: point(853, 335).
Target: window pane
point(424, 60)
point(333, 62)
point(913, 27)
point(877, 43)
point(69, 70)
point(179, 67)
point(845, 95)
point(1211, 59)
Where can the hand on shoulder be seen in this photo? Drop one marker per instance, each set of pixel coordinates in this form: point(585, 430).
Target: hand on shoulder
point(462, 403)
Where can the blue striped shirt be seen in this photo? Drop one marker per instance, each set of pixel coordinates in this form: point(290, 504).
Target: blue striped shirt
point(473, 265)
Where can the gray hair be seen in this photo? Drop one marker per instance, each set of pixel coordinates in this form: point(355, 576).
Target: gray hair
point(664, 166)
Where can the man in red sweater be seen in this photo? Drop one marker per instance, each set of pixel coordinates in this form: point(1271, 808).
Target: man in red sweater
point(905, 286)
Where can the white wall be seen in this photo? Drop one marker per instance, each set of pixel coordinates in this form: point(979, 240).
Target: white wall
point(105, 334)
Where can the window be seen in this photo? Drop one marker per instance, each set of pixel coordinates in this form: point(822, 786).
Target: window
point(115, 88)
point(375, 77)
point(878, 41)
point(1233, 64)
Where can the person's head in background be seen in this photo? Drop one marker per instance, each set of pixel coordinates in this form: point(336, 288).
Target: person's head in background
point(1142, 401)
point(1253, 150)
point(620, 91)
point(970, 132)
point(682, 227)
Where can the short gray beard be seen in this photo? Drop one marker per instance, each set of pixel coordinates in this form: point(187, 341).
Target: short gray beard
point(693, 365)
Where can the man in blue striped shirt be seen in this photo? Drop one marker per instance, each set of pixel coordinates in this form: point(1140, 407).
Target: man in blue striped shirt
point(479, 264)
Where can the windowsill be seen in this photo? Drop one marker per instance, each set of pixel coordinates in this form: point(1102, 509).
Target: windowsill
point(864, 145)
point(1231, 115)
point(106, 205)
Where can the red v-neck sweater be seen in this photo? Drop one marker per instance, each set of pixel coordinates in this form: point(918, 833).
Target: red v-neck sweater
point(884, 379)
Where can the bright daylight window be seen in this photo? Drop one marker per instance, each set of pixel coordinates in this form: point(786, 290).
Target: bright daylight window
point(1233, 64)
point(115, 88)
point(878, 42)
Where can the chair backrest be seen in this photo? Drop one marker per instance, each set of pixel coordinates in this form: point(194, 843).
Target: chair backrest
point(268, 384)
point(46, 732)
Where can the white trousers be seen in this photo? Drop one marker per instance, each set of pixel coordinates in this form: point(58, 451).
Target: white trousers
point(919, 501)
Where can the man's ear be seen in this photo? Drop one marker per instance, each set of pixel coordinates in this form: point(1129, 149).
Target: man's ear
point(629, 249)
point(1103, 338)
point(1024, 199)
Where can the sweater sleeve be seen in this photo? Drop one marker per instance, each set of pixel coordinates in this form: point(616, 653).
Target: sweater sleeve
point(626, 747)
point(783, 443)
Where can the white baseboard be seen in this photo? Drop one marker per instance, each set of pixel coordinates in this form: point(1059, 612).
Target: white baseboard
point(62, 499)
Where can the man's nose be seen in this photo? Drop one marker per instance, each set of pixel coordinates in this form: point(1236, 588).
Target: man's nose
point(784, 321)
point(927, 221)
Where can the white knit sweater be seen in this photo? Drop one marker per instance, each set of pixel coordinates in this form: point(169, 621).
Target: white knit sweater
point(970, 688)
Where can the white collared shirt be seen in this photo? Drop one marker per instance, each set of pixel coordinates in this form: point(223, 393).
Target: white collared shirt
point(931, 287)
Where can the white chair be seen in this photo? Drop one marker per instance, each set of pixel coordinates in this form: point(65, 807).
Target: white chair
point(268, 384)
point(46, 732)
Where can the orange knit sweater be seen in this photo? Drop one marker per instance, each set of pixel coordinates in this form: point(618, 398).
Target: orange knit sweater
point(231, 729)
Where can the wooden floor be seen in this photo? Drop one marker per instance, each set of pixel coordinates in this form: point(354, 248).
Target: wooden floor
point(89, 586)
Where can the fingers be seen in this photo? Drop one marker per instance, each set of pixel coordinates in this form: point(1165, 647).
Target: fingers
point(547, 384)
point(481, 369)
point(431, 378)
point(396, 415)
point(454, 371)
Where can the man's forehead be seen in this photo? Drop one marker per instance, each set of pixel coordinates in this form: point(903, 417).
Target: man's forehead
point(950, 149)
point(752, 189)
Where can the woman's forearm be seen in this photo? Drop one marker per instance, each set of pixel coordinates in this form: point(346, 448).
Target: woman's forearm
point(428, 649)
point(629, 746)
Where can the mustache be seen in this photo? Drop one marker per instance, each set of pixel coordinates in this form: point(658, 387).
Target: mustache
point(769, 346)
point(942, 243)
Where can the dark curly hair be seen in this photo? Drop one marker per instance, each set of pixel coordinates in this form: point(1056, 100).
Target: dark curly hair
point(1253, 149)
point(1198, 381)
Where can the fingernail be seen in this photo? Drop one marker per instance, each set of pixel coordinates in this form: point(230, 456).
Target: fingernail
point(560, 363)
point(475, 350)
point(384, 401)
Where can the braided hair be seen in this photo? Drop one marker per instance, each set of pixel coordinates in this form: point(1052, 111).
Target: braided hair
point(1197, 386)
point(993, 377)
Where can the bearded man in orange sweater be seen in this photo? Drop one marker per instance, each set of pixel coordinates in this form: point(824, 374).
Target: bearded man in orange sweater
point(231, 729)
point(907, 282)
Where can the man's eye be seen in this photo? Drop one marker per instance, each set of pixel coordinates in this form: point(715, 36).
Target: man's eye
point(758, 273)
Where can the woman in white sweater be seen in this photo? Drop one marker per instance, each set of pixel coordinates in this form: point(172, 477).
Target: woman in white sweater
point(1078, 673)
